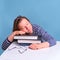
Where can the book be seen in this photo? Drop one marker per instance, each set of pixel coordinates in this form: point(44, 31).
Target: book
point(28, 41)
point(26, 37)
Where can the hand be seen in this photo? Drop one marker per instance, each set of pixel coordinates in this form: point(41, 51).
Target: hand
point(18, 32)
point(39, 45)
point(11, 37)
point(34, 46)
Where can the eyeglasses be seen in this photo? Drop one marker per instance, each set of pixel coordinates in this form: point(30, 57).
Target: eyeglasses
point(21, 49)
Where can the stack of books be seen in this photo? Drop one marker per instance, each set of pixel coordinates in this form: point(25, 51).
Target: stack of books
point(27, 39)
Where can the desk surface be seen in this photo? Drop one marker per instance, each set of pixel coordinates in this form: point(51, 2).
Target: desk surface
point(51, 53)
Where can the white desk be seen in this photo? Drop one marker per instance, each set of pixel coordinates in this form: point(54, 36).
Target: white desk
point(51, 53)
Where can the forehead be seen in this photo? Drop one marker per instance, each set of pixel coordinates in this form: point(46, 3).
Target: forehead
point(23, 22)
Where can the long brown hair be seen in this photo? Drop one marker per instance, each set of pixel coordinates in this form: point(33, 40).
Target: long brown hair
point(17, 21)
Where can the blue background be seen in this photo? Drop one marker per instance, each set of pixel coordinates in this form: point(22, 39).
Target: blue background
point(45, 13)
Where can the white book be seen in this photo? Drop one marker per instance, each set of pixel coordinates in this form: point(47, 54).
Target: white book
point(26, 37)
point(28, 41)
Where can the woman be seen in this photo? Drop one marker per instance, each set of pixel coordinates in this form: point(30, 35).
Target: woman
point(22, 26)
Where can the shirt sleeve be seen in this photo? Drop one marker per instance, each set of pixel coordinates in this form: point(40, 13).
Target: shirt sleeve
point(5, 44)
point(46, 37)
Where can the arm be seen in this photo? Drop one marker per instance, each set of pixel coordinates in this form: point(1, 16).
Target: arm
point(46, 37)
point(5, 44)
point(10, 39)
point(47, 40)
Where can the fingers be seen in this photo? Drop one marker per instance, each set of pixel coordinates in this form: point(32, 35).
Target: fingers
point(11, 37)
point(21, 32)
point(34, 46)
point(39, 46)
point(18, 32)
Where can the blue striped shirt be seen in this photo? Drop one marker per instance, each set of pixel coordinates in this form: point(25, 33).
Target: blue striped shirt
point(38, 31)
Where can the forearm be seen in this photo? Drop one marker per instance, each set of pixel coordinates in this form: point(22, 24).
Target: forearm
point(5, 44)
point(44, 45)
point(39, 45)
point(48, 38)
point(52, 42)
point(45, 37)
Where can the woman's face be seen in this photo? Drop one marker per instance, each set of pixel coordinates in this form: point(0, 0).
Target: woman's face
point(25, 26)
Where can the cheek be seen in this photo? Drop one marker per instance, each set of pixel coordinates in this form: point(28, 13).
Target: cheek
point(25, 30)
point(29, 27)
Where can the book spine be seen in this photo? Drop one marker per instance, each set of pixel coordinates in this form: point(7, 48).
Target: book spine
point(26, 37)
point(28, 41)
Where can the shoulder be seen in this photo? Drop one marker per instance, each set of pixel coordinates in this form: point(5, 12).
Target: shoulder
point(36, 26)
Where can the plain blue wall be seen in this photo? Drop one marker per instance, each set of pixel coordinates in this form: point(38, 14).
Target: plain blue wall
point(42, 12)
